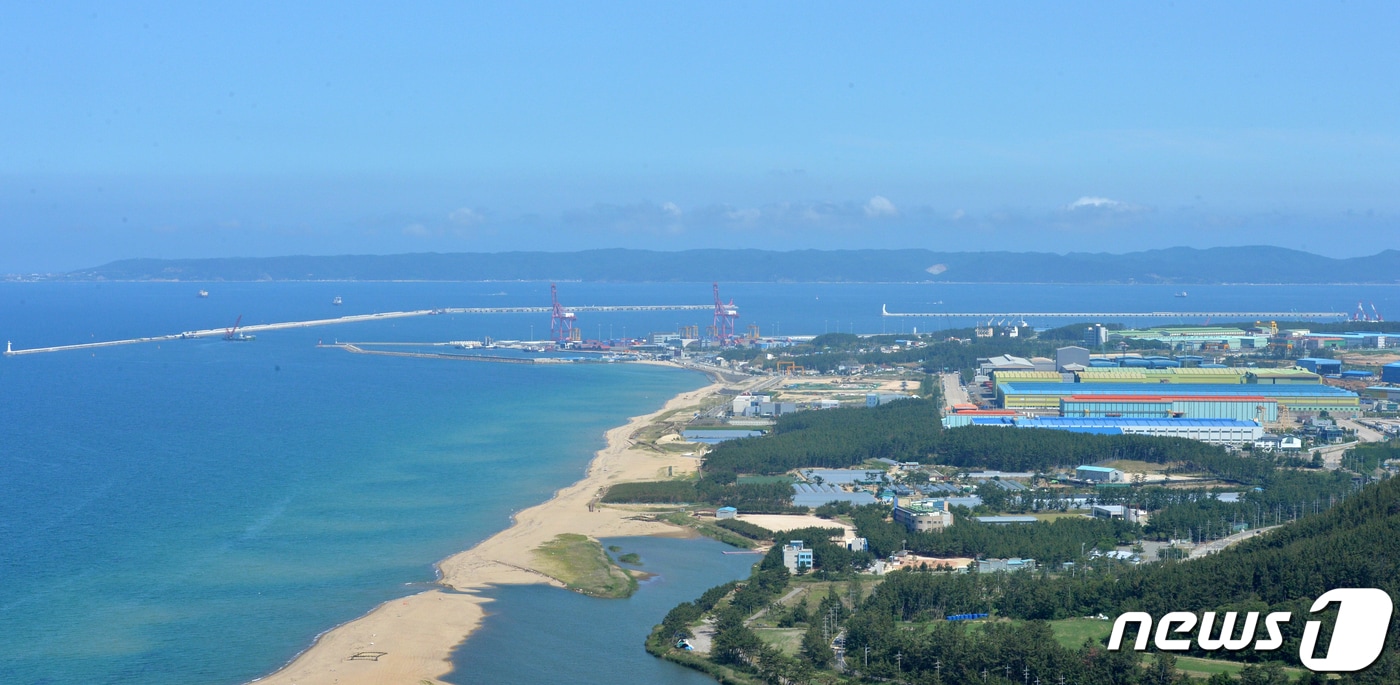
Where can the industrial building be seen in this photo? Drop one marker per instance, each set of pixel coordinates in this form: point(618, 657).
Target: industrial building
point(1390, 373)
point(1213, 431)
point(1005, 362)
point(1199, 337)
point(1281, 376)
point(726, 513)
point(1199, 375)
point(1005, 520)
point(1068, 357)
point(963, 416)
point(1117, 511)
point(924, 516)
point(1384, 393)
point(1099, 474)
point(998, 376)
point(814, 495)
point(1369, 340)
point(843, 476)
point(1237, 407)
point(874, 400)
point(1323, 367)
point(1300, 399)
point(1012, 564)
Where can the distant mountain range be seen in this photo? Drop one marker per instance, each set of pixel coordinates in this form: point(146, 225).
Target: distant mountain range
point(1178, 265)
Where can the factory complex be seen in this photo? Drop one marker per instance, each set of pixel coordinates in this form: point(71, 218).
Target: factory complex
point(1214, 431)
point(1182, 396)
point(1263, 403)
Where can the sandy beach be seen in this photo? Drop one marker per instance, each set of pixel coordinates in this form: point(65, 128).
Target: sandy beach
point(411, 639)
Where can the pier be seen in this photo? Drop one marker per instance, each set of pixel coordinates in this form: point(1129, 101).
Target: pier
point(354, 318)
point(1089, 316)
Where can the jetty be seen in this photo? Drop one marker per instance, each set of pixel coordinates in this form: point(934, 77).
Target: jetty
point(353, 318)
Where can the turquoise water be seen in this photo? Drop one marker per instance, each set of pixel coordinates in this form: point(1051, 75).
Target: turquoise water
point(199, 512)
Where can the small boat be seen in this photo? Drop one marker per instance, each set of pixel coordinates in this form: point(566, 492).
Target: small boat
point(1181, 294)
point(204, 293)
point(336, 301)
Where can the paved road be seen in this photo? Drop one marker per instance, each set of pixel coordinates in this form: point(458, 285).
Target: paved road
point(953, 392)
point(783, 600)
point(1363, 433)
point(1222, 543)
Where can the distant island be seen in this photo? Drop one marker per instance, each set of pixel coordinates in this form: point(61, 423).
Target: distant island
point(1177, 266)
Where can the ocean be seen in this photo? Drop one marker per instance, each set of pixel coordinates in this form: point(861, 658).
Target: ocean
point(199, 510)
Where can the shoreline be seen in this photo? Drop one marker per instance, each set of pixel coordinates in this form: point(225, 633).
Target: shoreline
point(413, 638)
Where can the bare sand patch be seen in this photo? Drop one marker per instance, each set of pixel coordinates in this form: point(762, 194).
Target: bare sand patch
point(784, 522)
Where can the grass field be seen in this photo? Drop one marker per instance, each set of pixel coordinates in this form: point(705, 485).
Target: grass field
point(789, 640)
point(1053, 515)
point(580, 562)
point(1205, 668)
point(1072, 632)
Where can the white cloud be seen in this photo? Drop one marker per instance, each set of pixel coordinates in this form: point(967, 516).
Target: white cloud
point(1096, 203)
point(416, 230)
point(671, 210)
point(880, 206)
point(466, 216)
point(747, 214)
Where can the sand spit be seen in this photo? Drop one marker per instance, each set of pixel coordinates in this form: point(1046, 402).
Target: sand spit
point(411, 639)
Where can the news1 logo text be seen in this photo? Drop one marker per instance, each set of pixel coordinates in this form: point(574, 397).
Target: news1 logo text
point(1363, 619)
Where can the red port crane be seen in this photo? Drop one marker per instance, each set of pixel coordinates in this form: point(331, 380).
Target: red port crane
point(725, 316)
point(561, 322)
point(232, 333)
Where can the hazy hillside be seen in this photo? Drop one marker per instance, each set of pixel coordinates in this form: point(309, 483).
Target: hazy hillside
point(1181, 265)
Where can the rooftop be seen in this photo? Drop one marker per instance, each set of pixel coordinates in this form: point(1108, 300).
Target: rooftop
point(1176, 390)
point(1055, 421)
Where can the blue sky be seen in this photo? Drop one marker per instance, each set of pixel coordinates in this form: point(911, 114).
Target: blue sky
point(180, 129)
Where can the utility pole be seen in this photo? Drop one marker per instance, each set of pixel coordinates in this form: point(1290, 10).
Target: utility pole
point(867, 656)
